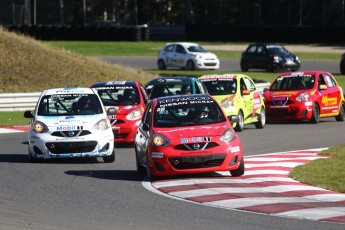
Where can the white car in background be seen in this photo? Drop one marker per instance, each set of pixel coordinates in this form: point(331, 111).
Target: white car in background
point(70, 123)
point(186, 55)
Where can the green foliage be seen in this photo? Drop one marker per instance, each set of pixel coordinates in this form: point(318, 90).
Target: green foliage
point(326, 173)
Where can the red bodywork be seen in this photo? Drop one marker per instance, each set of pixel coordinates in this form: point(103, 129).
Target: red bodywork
point(322, 95)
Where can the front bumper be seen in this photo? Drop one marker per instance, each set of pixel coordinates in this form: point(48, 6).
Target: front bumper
point(294, 111)
point(46, 146)
point(124, 130)
point(285, 65)
point(207, 64)
point(168, 161)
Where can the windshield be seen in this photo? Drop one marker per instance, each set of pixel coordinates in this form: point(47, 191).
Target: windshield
point(277, 50)
point(216, 87)
point(196, 49)
point(293, 82)
point(69, 104)
point(188, 115)
point(119, 95)
point(161, 90)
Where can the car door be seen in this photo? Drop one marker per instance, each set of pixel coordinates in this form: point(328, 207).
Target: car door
point(180, 56)
point(142, 137)
point(248, 98)
point(168, 55)
point(330, 97)
point(260, 57)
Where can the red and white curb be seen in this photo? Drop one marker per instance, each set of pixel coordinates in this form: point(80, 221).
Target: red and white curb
point(264, 188)
point(14, 129)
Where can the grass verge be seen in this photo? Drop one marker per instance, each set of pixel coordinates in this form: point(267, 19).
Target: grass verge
point(324, 173)
point(120, 48)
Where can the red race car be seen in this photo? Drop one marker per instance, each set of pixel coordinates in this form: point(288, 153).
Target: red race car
point(305, 95)
point(129, 99)
point(187, 134)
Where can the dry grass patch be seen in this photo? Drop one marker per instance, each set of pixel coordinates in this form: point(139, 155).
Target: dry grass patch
point(28, 65)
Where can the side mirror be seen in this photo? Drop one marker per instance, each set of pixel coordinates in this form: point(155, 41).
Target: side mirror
point(111, 111)
point(233, 119)
point(245, 92)
point(323, 87)
point(28, 114)
point(265, 90)
point(145, 127)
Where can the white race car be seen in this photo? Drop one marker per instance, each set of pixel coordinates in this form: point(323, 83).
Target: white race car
point(185, 55)
point(70, 123)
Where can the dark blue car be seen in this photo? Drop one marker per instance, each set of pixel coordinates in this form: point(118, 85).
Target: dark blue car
point(270, 57)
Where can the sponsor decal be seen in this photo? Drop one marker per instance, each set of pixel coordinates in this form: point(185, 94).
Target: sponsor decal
point(217, 77)
point(157, 155)
point(308, 103)
point(195, 139)
point(235, 149)
point(116, 83)
point(195, 152)
point(329, 101)
point(70, 90)
point(69, 127)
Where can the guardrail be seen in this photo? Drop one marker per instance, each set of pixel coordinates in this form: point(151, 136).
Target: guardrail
point(18, 101)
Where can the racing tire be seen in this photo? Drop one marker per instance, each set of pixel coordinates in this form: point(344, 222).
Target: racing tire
point(190, 65)
point(240, 123)
point(33, 159)
point(149, 175)
point(260, 124)
point(140, 168)
point(342, 68)
point(110, 158)
point(161, 64)
point(244, 66)
point(269, 67)
point(341, 115)
point(315, 117)
point(240, 170)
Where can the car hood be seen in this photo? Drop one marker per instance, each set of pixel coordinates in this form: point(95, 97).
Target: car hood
point(205, 55)
point(194, 131)
point(221, 98)
point(123, 109)
point(282, 95)
point(65, 123)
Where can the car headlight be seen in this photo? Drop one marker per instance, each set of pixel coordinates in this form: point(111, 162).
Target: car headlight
point(276, 58)
point(297, 59)
point(159, 140)
point(228, 103)
point(134, 115)
point(303, 97)
point(101, 125)
point(40, 127)
point(228, 135)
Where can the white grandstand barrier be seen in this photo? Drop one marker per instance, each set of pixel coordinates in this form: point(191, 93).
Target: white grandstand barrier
point(18, 101)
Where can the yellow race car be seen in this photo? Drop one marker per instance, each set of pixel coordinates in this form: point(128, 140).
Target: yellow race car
point(237, 94)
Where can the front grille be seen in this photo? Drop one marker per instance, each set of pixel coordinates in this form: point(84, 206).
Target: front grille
point(71, 147)
point(192, 162)
point(191, 147)
point(210, 64)
point(279, 102)
point(280, 112)
point(117, 122)
point(72, 133)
